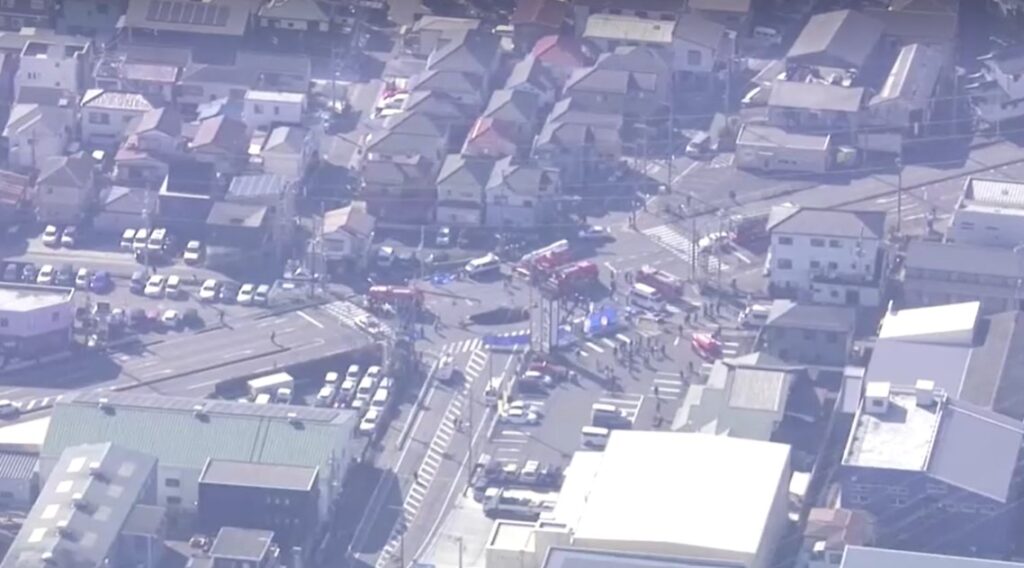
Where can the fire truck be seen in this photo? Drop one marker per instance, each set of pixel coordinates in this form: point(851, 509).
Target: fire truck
point(668, 285)
point(397, 296)
point(546, 259)
point(574, 276)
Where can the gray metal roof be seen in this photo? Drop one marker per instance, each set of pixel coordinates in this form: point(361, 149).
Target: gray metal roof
point(558, 557)
point(904, 362)
point(758, 389)
point(83, 507)
point(470, 53)
point(839, 37)
point(772, 136)
point(628, 29)
point(862, 557)
point(994, 193)
point(827, 222)
point(17, 465)
point(815, 96)
point(287, 477)
point(241, 544)
point(700, 30)
point(995, 373)
point(510, 105)
point(961, 257)
point(914, 76)
point(786, 313)
point(256, 186)
point(168, 428)
point(457, 170)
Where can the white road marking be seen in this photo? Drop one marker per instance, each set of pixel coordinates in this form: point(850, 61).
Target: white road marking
point(237, 353)
point(595, 347)
point(310, 319)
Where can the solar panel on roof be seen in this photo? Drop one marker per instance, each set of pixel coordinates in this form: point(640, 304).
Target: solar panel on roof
point(186, 15)
point(222, 16)
point(164, 13)
point(175, 15)
point(197, 16)
point(154, 5)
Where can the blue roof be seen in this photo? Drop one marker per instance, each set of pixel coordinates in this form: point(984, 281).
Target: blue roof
point(861, 557)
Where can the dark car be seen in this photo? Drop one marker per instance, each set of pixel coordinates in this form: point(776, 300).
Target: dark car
point(138, 282)
point(29, 272)
point(101, 282)
point(192, 319)
point(65, 276)
point(229, 292)
point(12, 271)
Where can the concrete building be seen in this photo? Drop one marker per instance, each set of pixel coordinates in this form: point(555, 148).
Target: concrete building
point(808, 333)
point(770, 148)
point(261, 109)
point(997, 91)
point(829, 532)
point(864, 557)
point(185, 433)
point(989, 213)
point(712, 498)
point(914, 461)
point(66, 191)
point(35, 320)
point(84, 508)
point(35, 132)
point(936, 273)
point(57, 62)
point(826, 256)
point(238, 547)
point(19, 482)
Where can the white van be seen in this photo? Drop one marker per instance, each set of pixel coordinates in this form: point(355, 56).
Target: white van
point(127, 239)
point(365, 389)
point(699, 145)
point(606, 415)
point(262, 398)
point(755, 315)
point(156, 239)
point(767, 35)
point(380, 399)
point(331, 378)
point(141, 239)
point(646, 298)
point(594, 437)
point(483, 265)
point(325, 397)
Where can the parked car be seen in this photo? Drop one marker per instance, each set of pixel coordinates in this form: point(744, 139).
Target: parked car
point(29, 272)
point(82, 278)
point(9, 409)
point(228, 293)
point(47, 275)
point(444, 237)
point(208, 291)
point(65, 276)
point(127, 239)
point(368, 425)
point(12, 272)
point(193, 253)
point(138, 282)
point(155, 286)
point(141, 239)
point(101, 282)
point(70, 237)
point(261, 297)
point(173, 287)
point(520, 416)
point(595, 233)
point(245, 294)
point(171, 319)
point(51, 236)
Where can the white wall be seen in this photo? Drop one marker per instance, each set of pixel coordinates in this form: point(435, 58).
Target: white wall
point(107, 126)
point(987, 228)
point(260, 112)
point(32, 145)
point(681, 57)
point(38, 321)
point(849, 257)
point(765, 158)
point(51, 72)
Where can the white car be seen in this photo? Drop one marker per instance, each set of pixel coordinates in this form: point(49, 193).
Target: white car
point(193, 252)
point(245, 294)
point(525, 406)
point(171, 318)
point(375, 373)
point(8, 409)
point(154, 286)
point(520, 416)
point(354, 373)
point(51, 236)
point(82, 278)
point(368, 425)
point(595, 233)
point(173, 286)
point(369, 324)
point(385, 256)
point(46, 274)
point(444, 237)
point(208, 291)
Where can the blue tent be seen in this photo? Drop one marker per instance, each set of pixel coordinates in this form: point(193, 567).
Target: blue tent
point(603, 320)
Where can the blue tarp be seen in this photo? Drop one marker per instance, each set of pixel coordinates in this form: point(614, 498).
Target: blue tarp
point(507, 340)
point(440, 279)
point(603, 320)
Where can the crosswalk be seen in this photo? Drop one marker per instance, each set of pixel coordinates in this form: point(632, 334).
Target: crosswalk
point(464, 346)
point(628, 403)
point(351, 315)
point(38, 403)
point(721, 161)
point(679, 244)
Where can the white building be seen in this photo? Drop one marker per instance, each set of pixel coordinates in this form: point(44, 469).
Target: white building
point(682, 495)
point(58, 62)
point(262, 109)
point(184, 433)
point(997, 91)
point(989, 213)
point(108, 116)
point(36, 132)
point(826, 256)
point(35, 320)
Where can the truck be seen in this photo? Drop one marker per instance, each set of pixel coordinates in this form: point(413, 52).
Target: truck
point(398, 296)
point(575, 276)
point(670, 286)
point(545, 259)
point(518, 503)
point(271, 384)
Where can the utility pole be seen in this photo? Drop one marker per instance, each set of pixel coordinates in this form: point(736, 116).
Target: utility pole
point(899, 192)
point(459, 538)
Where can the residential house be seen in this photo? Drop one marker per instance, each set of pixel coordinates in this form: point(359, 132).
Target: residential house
point(914, 462)
point(66, 190)
point(809, 334)
point(997, 91)
point(431, 33)
point(107, 116)
point(701, 50)
point(816, 107)
point(990, 213)
point(289, 151)
point(827, 256)
point(579, 141)
point(441, 107)
point(520, 108)
point(466, 88)
point(909, 94)
point(238, 547)
point(157, 80)
point(534, 19)
point(461, 184)
point(91, 18)
point(829, 532)
point(239, 235)
point(262, 109)
point(217, 24)
point(204, 82)
point(492, 138)
point(531, 76)
point(120, 207)
point(837, 41)
point(609, 31)
point(347, 234)
point(741, 398)
point(221, 141)
point(8, 71)
point(662, 10)
point(16, 199)
point(19, 14)
point(476, 55)
point(186, 197)
point(737, 15)
point(932, 22)
point(937, 273)
point(520, 195)
point(560, 55)
point(19, 482)
point(84, 482)
point(408, 134)
point(35, 132)
point(142, 159)
point(300, 17)
point(57, 62)
point(633, 81)
point(277, 193)
point(771, 149)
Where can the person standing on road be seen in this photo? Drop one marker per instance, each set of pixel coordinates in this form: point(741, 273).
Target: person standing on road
point(273, 337)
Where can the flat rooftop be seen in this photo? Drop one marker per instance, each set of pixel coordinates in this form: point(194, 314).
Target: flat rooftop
point(899, 438)
point(28, 297)
point(1005, 197)
point(511, 535)
point(949, 323)
point(248, 474)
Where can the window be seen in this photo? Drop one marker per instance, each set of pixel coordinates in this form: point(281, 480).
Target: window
point(277, 110)
point(257, 109)
point(784, 264)
point(899, 501)
point(173, 500)
point(858, 499)
point(815, 264)
point(99, 118)
point(809, 334)
point(831, 336)
point(833, 293)
point(785, 240)
point(32, 75)
point(3, 322)
point(172, 482)
point(817, 243)
point(641, 14)
point(834, 243)
point(102, 9)
point(692, 57)
point(935, 489)
point(967, 508)
point(833, 265)
point(127, 119)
